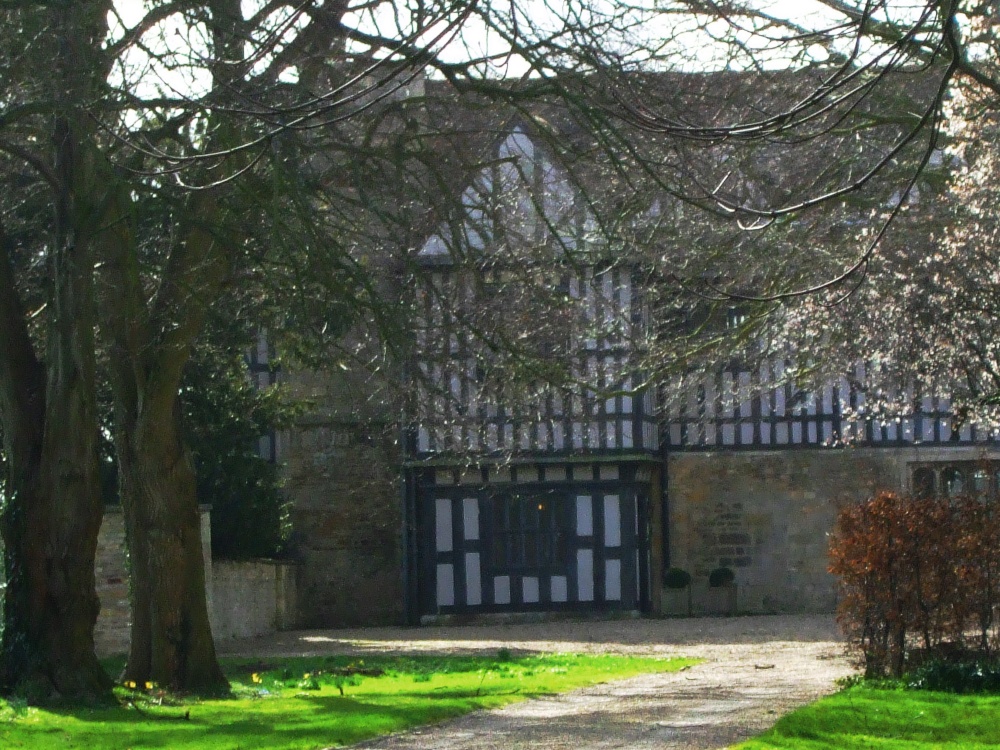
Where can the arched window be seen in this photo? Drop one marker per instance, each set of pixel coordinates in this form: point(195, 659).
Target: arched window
point(923, 483)
point(953, 481)
point(980, 482)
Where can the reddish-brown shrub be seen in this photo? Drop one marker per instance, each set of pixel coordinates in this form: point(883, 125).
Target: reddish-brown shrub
point(917, 575)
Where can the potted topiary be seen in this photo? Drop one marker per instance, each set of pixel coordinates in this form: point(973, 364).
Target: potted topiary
point(721, 577)
point(722, 590)
point(677, 581)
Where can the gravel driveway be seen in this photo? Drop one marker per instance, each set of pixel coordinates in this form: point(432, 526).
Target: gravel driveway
point(755, 670)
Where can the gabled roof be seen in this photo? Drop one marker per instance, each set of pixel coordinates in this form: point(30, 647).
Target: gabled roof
point(521, 195)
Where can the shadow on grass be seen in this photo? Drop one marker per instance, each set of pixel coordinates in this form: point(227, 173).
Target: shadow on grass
point(291, 716)
point(328, 720)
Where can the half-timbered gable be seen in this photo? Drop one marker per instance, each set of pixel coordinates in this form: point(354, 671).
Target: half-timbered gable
point(532, 451)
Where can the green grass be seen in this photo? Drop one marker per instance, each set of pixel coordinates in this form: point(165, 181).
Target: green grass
point(880, 719)
point(305, 703)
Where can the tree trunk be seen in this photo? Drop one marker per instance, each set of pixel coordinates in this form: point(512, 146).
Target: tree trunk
point(53, 508)
point(50, 525)
point(150, 342)
point(171, 636)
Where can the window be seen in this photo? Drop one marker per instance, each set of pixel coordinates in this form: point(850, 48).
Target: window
point(953, 481)
point(955, 478)
point(529, 533)
point(924, 482)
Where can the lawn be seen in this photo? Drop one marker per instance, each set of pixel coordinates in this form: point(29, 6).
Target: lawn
point(313, 702)
point(877, 719)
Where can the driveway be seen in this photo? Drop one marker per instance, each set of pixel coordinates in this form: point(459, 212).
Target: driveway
point(755, 670)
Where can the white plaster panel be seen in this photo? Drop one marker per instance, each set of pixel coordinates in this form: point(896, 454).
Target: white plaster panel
point(470, 517)
point(557, 588)
point(728, 394)
point(593, 436)
point(445, 585)
point(473, 579)
point(585, 575)
point(501, 590)
point(529, 589)
point(945, 429)
point(527, 474)
point(612, 580)
point(584, 515)
point(744, 394)
point(558, 436)
point(442, 524)
point(612, 521)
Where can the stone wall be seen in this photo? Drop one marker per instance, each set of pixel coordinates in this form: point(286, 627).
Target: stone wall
point(253, 597)
point(767, 516)
point(111, 634)
point(244, 599)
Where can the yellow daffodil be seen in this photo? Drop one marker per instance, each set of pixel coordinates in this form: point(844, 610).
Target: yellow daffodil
point(130, 685)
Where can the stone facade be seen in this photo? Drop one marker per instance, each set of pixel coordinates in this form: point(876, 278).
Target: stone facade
point(767, 516)
point(342, 466)
point(344, 484)
point(761, 502)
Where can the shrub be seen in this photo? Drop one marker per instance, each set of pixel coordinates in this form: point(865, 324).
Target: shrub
point(976, 676)
point(916, 576)
point(225, 417)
